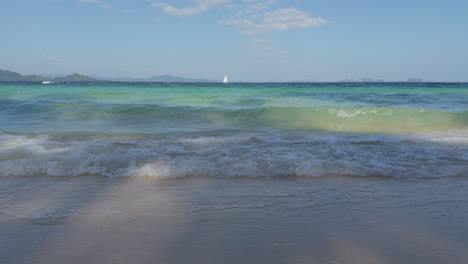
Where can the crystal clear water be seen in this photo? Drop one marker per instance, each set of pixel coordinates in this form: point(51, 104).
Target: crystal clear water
point(165, 131)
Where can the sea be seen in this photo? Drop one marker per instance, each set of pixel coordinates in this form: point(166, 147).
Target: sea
point(64, 135)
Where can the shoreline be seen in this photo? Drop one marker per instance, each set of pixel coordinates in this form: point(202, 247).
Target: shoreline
point(232, 221)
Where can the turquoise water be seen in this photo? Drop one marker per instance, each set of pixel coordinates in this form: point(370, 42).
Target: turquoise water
point(236, 130)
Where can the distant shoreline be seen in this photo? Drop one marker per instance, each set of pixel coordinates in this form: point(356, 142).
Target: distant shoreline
point(211, 82)
point(10, 76)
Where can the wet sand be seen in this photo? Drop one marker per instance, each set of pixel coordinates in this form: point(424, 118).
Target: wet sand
point(233, 221)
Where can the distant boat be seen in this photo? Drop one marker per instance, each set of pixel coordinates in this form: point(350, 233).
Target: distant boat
point(47, 82)
point(225, 79)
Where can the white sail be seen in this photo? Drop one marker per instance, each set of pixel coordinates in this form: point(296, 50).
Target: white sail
point(225, 79)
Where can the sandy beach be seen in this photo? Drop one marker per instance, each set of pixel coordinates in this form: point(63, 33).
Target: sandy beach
point(233, 132)
point(337, 220)
point(245, 173)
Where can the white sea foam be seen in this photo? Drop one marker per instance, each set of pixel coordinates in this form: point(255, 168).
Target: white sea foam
point(319, 155)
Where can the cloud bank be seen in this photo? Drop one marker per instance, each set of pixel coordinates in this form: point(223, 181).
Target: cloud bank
point(277, 20)
point(199, 7)
point(99, 2)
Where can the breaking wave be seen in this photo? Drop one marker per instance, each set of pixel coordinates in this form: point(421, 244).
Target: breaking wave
point(286, 155)
point(152, 117)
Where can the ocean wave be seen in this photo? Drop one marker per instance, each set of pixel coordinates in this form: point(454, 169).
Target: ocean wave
point(152, 117)
point(320, 155)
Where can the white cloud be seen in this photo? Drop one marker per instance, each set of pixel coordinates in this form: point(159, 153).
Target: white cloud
point(199, 7)
point(290, 18)
point(99, 2)
point(277, 20)
point(258, 6)
point(254, 7)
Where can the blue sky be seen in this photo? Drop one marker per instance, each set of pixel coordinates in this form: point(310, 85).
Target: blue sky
point(250, 40)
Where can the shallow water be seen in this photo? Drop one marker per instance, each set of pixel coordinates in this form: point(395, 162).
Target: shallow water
point(238, 173)
point(164, 131)
point(62, 200)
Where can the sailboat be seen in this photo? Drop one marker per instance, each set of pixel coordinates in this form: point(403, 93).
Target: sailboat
point(225, 79)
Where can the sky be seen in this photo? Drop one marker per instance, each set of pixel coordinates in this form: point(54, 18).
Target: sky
point(249, 40)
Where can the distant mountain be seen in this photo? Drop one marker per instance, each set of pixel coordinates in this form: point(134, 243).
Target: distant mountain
point(51, 76)
point(74, 78)
point(34, 78)
point(9, 76)
point(170, 78)
point(163, 78)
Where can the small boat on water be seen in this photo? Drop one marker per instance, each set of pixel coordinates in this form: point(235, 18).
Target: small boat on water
point(225, 79)
point(47, 82)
